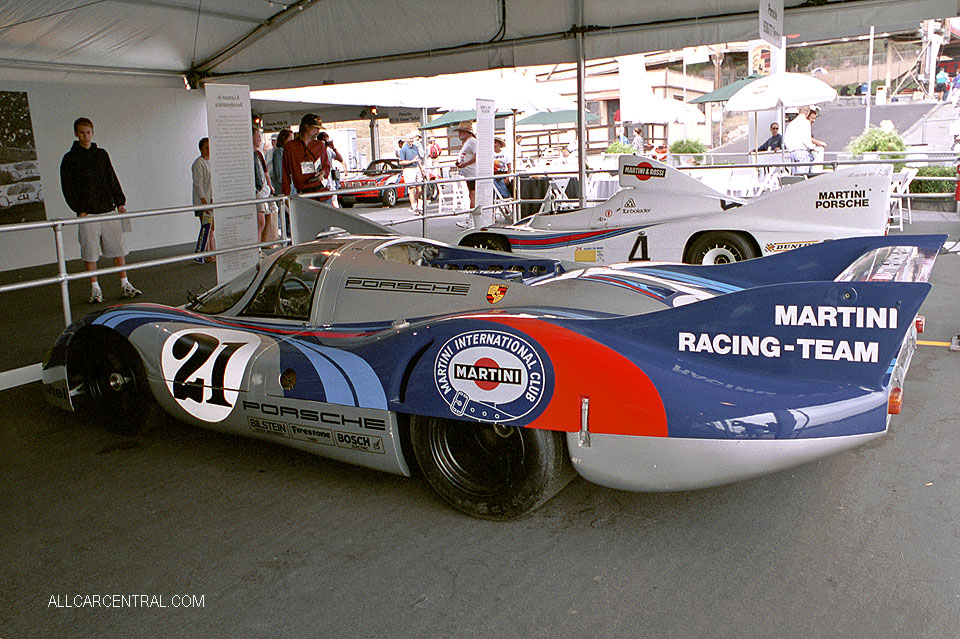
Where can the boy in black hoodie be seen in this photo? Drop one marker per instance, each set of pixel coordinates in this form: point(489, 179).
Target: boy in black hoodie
point(90, 187)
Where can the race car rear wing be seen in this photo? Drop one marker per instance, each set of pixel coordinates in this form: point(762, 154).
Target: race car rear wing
point(891, 258)
point(310, 218)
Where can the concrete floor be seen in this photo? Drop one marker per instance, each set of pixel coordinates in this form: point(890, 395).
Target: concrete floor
point(865, 544)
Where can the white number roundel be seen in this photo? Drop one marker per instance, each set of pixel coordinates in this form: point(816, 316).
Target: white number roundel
point(203, 369)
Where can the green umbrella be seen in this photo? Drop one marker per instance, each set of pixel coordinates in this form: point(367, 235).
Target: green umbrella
point(452, 118)
point(723, 93)
point(557, 117)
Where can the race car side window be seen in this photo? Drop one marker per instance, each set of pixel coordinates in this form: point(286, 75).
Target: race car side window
point(287, 290)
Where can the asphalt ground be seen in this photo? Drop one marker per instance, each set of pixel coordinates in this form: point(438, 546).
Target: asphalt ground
point(864, 544)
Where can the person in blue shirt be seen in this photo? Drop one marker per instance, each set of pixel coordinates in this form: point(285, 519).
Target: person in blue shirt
point(775, 141)
point(411, 158)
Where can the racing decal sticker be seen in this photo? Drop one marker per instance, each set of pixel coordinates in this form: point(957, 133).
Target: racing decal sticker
point(489, 376)
point(365, 443)
point(806, 348)
point(267, 427)
point(496, 292)
point(779, 247)
point(203, 369)
point(406, 286)
point(585, 255)
point(856, 198)
point(644, 171)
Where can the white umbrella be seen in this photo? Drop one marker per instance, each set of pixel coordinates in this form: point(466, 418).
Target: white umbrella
point(781, 90)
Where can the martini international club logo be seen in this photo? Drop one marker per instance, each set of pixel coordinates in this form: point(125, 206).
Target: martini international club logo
point(489, 376)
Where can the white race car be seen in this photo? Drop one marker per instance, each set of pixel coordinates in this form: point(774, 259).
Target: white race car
point(664, 214)
point(20, 193)
point(17, 171)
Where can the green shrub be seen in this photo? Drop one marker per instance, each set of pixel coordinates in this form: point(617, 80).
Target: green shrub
point(930, 186)
point(620, 147)
point(688, 147)
point(876, 139)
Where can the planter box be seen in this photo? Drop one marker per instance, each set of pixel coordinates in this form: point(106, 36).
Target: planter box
point(920, 203)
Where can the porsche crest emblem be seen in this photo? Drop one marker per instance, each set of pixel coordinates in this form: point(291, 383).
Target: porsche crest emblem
point(496, 292)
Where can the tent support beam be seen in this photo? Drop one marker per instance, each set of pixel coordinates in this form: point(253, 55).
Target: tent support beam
point(581, 112)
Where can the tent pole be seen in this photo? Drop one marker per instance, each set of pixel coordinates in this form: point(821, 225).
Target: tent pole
point(581, 111)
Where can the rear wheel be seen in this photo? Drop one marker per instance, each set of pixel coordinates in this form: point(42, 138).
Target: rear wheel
point(490, 471)
point(347, 202)
point(487, 241)
point(389, 198)
point(720, 248)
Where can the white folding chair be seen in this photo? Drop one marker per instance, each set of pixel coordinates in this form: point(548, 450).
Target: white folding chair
point(896, 203)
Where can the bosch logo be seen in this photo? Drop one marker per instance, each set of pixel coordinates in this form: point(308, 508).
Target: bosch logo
point(489, 376)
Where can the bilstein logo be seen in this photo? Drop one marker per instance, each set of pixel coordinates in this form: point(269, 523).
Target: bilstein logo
point(496, 292)
point(644, 171)
point(489, 376)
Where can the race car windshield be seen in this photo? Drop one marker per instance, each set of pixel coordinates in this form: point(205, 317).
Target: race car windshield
point(226, 295)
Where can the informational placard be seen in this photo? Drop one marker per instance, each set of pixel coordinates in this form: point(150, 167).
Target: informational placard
point(485, 113)
point(230, 128)
point(771, 22)
point(401, 114)
point(276, 121)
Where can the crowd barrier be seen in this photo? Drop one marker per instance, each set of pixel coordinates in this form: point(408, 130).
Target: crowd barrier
point(63, 278)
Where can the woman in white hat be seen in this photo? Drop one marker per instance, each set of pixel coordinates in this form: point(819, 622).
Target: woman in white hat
point(467, 161)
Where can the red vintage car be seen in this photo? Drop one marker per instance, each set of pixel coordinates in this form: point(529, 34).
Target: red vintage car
point(382, 172)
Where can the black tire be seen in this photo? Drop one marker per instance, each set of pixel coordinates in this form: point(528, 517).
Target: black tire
point(389, 198)
point(115, 383)
point(487, 471)
point(347, 202)
point(432, 191)
point(720, 247)
point(487, 241)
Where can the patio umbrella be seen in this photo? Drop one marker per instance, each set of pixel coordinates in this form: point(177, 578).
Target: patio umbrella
point(566, 116)
point(723, 93)
point(781, 90)
point(778, 91)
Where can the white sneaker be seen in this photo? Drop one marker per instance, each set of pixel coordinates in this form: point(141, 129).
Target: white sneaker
point(129, 290)
point(96, 297)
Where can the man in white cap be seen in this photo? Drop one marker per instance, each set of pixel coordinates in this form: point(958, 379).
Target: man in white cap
point(467, 160)
point(411, 159)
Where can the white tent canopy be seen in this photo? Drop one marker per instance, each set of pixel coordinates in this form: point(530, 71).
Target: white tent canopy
point(450, 92)
point(316, 42)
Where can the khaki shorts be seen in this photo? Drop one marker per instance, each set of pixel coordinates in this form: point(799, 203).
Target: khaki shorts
point(411, 174)
point(105, 233)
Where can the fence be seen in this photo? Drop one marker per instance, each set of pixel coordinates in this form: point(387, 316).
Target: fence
point(63, 278)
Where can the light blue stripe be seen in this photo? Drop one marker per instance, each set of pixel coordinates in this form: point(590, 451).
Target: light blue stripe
point(358, 383)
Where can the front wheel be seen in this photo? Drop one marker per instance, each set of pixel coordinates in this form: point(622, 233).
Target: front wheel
point(347, 202)
point(115, 382)
point(490, 471)
point(432, 192)
point(720, 248)
point(389, 198)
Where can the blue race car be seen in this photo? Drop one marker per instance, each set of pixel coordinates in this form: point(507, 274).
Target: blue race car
point(501, 375)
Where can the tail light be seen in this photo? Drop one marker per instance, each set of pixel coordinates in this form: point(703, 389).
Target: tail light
point(920, 323)
point(895, 401)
